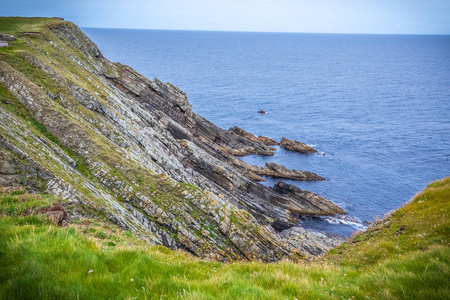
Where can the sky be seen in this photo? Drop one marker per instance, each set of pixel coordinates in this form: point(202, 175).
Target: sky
point(314, 16)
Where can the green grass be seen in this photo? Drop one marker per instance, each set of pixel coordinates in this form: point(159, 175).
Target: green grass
point(16, 25)
point(15, 59)
point(42, 261)
point(12, 104)
point(419, 225)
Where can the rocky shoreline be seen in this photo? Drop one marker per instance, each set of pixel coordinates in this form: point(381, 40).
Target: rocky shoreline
point(132, 149)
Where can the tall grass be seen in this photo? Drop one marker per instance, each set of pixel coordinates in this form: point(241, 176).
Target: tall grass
point(92, 259)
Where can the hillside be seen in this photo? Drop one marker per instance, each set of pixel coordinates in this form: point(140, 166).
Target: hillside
point(76, 126)
point(404, 256)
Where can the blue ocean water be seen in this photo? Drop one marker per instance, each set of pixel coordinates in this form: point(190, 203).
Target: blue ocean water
point(377, 106)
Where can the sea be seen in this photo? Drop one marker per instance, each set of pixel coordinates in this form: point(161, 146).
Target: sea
point(376, 107)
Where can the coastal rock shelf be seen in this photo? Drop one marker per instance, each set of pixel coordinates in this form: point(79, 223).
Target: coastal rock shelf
point(296, 146)
point(284, 143)
point(131, 149)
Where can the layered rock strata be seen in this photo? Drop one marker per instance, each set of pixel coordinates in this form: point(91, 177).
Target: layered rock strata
point(296, 146)
point(279, 171)
point(284, 143)
point(131, 149)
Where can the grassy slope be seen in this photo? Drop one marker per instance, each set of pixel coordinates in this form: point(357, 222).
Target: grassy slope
point(39, 260)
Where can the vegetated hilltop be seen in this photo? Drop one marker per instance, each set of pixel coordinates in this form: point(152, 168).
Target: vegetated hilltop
point(116, 144)
point(404, 256)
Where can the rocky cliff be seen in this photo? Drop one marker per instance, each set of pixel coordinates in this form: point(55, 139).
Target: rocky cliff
point(131, 149)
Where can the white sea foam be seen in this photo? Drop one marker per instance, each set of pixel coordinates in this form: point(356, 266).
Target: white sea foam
point(346, 220)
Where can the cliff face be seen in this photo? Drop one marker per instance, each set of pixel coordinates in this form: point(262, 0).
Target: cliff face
point(103, 136)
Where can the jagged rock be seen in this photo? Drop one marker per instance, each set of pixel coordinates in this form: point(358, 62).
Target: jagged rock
point(304, 202)
point(21, 171)
point(296, 146)
point(248, 136)
point(132, 149)
point(279, 171)
point(267, 140)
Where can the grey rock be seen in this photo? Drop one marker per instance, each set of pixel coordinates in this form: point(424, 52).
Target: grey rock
point(6, 168)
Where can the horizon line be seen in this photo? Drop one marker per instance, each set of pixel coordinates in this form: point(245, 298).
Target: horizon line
point(222, 30)
point(257, 31)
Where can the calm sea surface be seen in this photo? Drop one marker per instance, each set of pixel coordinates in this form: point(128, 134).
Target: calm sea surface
point(377, 106)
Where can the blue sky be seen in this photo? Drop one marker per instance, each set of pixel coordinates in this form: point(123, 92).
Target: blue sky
point(327, 16)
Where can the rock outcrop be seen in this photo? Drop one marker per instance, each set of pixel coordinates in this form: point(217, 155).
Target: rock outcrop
point(103, 136)
point(248, 136)
point(296, 146)
point(56, 214)
point(279, 171)
point(284, 143)
point(310, 203)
